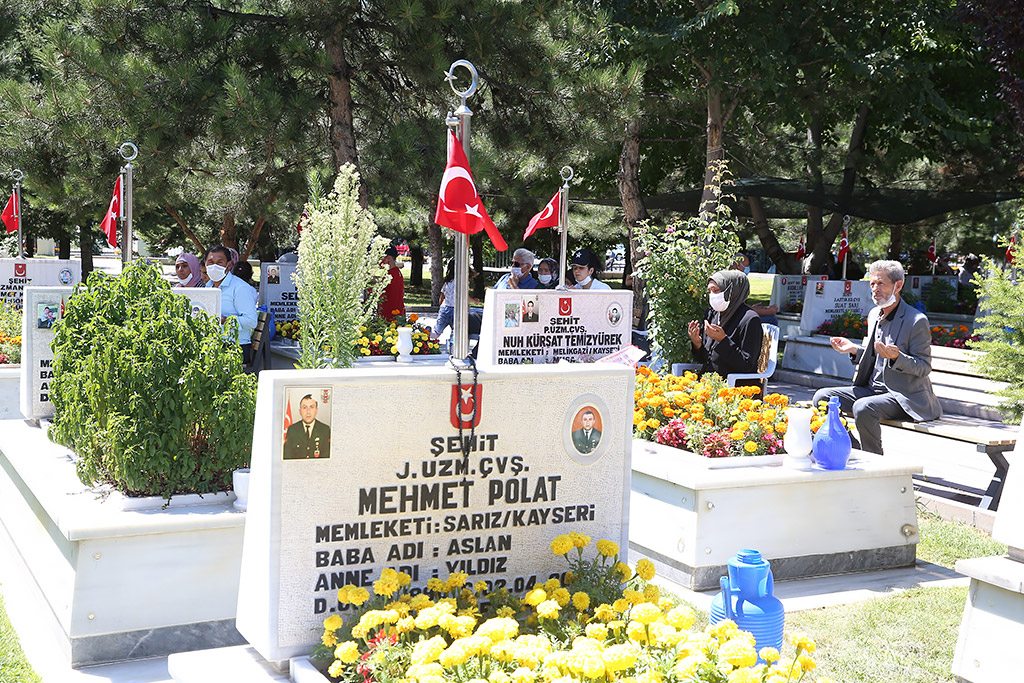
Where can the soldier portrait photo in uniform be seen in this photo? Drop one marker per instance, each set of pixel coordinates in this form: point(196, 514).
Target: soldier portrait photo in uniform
point(309, 436)
point(273, 275)
point(586, 429)
point(530, 310)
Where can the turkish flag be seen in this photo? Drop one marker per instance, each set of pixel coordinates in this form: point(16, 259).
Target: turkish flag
point(548, 217)
point(931, 251)
point(844, 247)
point(109, 224)
point(11, 215)
point(800, 248)
point(304, 216)
point(287, 419)
point(459, 206)
point(1009, 250)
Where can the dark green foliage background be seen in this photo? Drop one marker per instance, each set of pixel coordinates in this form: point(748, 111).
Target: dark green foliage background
point(149, 394)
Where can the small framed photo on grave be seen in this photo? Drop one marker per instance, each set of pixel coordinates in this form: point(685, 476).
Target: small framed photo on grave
point(47, 315)
point(273, 275)
point(307, 423)
point(512, 315)
point(584, 429)
point(614, 314)
point(531, 309)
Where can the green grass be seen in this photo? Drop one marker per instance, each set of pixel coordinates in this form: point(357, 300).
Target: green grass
point(943, 543)
point(13, 666)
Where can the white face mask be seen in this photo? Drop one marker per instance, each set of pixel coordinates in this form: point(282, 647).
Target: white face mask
point(516, 271)
point(890, 301)
point(184, 280)
point(544, 279)
point(216, 273)
point(583, 283)
point(718, 301)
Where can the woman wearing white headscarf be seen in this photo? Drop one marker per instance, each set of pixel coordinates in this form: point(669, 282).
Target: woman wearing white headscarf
point(731, 338)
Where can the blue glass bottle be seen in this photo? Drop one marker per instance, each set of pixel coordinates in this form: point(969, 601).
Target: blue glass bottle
point(832, 443)
point(747, 598)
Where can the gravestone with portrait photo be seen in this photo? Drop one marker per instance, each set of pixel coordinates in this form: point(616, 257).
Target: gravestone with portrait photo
point(426, 470)
point(788, 291)
point(17, 274)
point(43, 308)
point(278, 292)
point(545, 326)
point(824, 300)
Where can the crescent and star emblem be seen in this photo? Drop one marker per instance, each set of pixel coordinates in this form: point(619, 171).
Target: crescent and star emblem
point(548, 210)
point(451, 174)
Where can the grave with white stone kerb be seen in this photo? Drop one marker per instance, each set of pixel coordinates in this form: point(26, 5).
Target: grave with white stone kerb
point(43, 308)
point(534, 326)
point(788, 291)
point(278, 292)
point(381, 480)
point(825, 300)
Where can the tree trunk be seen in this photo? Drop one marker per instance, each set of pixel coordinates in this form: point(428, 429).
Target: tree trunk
point(627, 265)
point(820, 254)
point(64, 246)
point(436, 262)
point(251, 244)
point(628, 180)
point(341, 132)
point(895, 242)
point(227, 231)
point(184, 228)
point(715, 151)
point(85, 244)
point(416, 266)
point(784, 263)
point(476, 244)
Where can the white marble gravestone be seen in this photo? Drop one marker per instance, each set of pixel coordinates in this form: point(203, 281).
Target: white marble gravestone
point(920, 285)
point(523, 326)
point(383, 483)
point(992, 627)
point(43, 308)
point(825, 300)
point(788, 290)
point(278, 292)
point(16, 274)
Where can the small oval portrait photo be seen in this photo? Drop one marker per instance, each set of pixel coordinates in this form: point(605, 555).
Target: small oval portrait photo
point(614, 314)
point(586, 429)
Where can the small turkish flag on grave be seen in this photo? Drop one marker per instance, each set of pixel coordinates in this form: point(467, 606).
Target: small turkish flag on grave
point(109, 224)
point(844, 247)
point(298, 226)
point(931, 251)
point(800, 248)
point(459, 206)
point(287, 419)
point(1009, 251)
point(11, 215)
point(548, 217)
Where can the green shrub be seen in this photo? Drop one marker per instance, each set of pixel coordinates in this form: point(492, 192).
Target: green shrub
point(150, 395)
point(941, 297)
point(676, 262)
point(1001, 327)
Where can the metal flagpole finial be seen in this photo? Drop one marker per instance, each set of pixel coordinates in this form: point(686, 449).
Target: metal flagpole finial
point(128, 151)
point(17, 175)
point(567, 174)
point(846, 221)
point(449, 76)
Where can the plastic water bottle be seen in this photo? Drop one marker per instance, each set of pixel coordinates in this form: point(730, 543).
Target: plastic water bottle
point(747, 598)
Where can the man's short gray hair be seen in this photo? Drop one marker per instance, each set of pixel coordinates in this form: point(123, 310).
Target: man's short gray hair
point(524, 256)
point(892, 269)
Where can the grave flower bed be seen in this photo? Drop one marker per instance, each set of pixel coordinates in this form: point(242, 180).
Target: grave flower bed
point(380, 337)
point(10, 335)
point(957, 337)
point(849, 324)
point(599, 621)
point(707, 416)
point(289, 329)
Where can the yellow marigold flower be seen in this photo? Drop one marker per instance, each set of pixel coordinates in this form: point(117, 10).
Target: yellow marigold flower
point(781, 428)
point(806, 662)
point(582, 540)
point(680, 617)
point(769, 654)
point(499, 676)
point(385, 587)
point(652, 593)
point(801, 641)
point(456, 580)
point(347, 652)
point(570, 578)
point(597, 631)
point(607, 548)
point(435, 585)
point(333, 622)
point(623, 570)
point(619, 657)
point(604, 612)
point(335, 669)
point(535, 597)
point(404, 579)
point(645, 613)
point(343, 593)
point(552, 584)
point(523, 675)
point(505, 611)
point(499, 628)
point(358, 596)
point(634, 597)
point(427, 651)
point(480, 586)
point(638, 417)
point(329, 639)
point(654, 423)
point(562, 544)
point(405, 625)
point(686, 666)
point(548, 609)
point(645, 569)
point(738, 652)
point(621, 605)
point(561, 596)
point(636, 632)
point(745, 676)
point(750, 447)
point(580, 600)
point(737, 435)
point(420, 601)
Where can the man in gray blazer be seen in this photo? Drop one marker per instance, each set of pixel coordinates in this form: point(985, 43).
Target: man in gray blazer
point(891, 380)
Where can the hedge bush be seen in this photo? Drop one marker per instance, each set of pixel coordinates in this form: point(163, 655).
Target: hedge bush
point(149, 394)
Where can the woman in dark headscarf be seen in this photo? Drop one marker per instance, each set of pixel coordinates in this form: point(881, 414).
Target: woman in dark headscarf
point(731, 339)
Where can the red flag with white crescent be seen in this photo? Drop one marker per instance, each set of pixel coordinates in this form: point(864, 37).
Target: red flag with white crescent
point(548, 217)
point(1010, 249)
point(109, 224)
point(11, 215)
point(800, 253)
point(287, 419)
point(459, 206)
point(931, 251)
point(304, 216)
point(844, 247)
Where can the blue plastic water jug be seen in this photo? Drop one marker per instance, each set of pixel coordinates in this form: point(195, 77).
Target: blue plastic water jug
point(747, 599)
point(832, 443)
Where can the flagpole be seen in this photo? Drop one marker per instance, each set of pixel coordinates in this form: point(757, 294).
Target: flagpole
point(846, 256)
point(935, 255)
point(128, 152)
point(460, 121)
point(563, 221)
point(18, 175)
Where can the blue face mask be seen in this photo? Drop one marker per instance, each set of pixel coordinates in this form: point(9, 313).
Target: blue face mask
point(746, 270)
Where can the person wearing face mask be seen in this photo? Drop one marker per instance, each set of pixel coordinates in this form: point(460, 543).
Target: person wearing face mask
point(731, 338)
point(186, 267)
point(586, 266)
point(237, 299)
point(891, 380)
point(520, 272)
point(547, 273)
